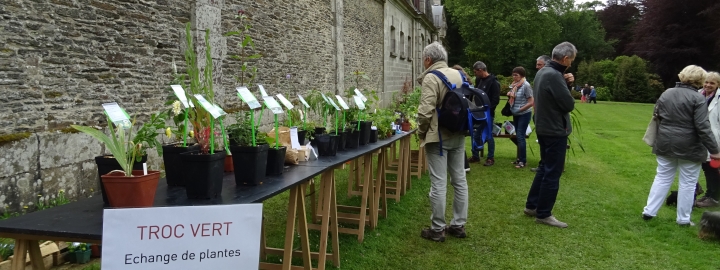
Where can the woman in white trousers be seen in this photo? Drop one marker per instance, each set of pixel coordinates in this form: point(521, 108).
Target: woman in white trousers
point(684, 138)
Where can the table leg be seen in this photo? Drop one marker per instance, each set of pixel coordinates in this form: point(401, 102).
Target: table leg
point(303, 224)
point(290, 230)
point(22, 247)
point(367, 191)
point(379, 191)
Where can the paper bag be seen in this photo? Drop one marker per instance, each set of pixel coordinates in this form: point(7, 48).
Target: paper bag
point(292, 156)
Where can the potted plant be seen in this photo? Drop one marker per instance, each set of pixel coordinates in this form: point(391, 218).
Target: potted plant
point(80, 252)
point(202, 170)
point(250, 151)
point(408, 106)
point(126, 187)
point(384, 119)
point(184, 142)
point(292, 119)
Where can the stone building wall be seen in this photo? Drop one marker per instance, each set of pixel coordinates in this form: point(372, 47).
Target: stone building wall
point(363, 41)
point(398, 58)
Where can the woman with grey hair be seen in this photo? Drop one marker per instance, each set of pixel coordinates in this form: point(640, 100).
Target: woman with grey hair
point(684, 138)
point(712, 175)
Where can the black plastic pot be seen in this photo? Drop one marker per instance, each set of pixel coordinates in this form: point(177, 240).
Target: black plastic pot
point(203, 174)
point(319, 130)
point(364, 131)
point(106, 164)
point(249, 164)
point(373, 136)
point(326, 145)
point(173, 164)
point(340, 141)
point(302, 134)
point(353, 138)
point(275, 161)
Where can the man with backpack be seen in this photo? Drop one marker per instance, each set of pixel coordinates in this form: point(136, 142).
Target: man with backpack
point(489, 84)
point(445, 149)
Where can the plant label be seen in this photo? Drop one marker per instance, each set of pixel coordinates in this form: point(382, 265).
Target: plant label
point(332, 102)
point(325, 98)
point(219, 110)
point(186, 237)
point(342, 102)
point(359, 102)
point(303, 101)
point(373, 128)
point(262, 91)
point(294, 140)
point(180, 94)
point(285, 102)
point(273, 105)
point(144, 168)
point(117, 115)
point(248, 97)
point(360, 94)
point(209, 107)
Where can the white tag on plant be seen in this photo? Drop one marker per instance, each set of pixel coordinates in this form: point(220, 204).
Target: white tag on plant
point(180, 94)
point(359, 102)
point(144, 168)
point(361, 95)
point(303, 101)
point(209, 107)
point(117, 115)
point(273, 105)
point(332, 102)
point(262, 90)
point(373, 128)
point(294, 141)
point(342, 103)
point(285, 102)
point(248, 97)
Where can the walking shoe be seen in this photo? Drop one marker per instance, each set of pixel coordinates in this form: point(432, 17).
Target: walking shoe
point(691, 224)
point(709, 202)
point(467, 170)
point(489, 162)
point(533, 169)
point(457, 231)
point(701, 199)
point(474, 160)
point(430, 234)
point(530, 212)
point(647, 217)
point(551, 221)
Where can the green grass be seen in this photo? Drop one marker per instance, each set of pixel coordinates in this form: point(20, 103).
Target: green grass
point(601, 197)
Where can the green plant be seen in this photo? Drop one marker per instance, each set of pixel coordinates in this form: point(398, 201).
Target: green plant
point(119, 145)
point(78, 247)
point(147, 135)
point(241, 132)
point(383, 120)
point(7, 248)
point(247, 73)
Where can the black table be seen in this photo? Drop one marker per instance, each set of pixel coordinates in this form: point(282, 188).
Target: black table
point(81, 221)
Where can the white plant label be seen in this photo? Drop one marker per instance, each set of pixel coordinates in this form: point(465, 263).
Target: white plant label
point(325, 98)
point(273, 105)
point(209, 107)
point(303, 101)
point(262, 91)
point(364, 99)
point(180, 94)
point(359, 102)
point(332, 102)
point(294, 140)
point(219, 110)
point(285, 102)
point(248, 97)
point(342, 102)
point(117, 115)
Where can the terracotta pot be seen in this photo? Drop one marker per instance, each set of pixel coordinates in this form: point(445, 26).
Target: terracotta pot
point(405, 126)
point(136, 191)
point(228, 163)
point(96, 251)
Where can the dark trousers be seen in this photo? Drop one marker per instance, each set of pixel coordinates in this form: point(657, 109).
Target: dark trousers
point(592, 99)
point(546, 184)
point(712, 177)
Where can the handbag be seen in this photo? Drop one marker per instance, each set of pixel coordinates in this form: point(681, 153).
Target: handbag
point(506, 110)
point(651, 131)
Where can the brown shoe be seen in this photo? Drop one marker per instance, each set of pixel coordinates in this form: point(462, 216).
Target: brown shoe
point(489, 162)
point(551, 221)
point(457, 231)
point(709, 202)
point(530, 212)
point(474, 160)
point(430, 234)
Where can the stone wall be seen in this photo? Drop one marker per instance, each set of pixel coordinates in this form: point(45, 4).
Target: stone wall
point(398, 61)
point(363, 43)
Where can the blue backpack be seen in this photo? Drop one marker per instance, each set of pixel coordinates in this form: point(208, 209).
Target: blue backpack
point(464, 108)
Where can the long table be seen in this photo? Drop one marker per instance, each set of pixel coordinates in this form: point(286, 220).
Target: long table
point(81, 221)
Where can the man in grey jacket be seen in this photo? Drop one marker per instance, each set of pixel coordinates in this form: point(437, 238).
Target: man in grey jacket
point(553, 126)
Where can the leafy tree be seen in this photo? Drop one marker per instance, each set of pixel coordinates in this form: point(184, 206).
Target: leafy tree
point(581, 27)
point(456, 53)
point(618, 19)
point(673, 34)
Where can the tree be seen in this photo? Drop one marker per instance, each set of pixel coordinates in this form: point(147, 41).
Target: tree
point(505, 34)
point(673, 34)
point(456, 53)
point(582, 28)
point(618, 19)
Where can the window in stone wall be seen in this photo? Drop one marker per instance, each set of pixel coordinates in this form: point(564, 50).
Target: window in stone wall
point(392, 41)
point(402, 45)
point(409, 48)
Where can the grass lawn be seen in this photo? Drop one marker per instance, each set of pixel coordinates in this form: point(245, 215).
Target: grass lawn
point(601, 197)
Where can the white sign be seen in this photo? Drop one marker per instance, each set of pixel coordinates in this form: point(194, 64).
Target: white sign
point(180, 94)
point(359, 102)
point(303, 101)
point(294, 140)
point(209, 107)
point(285, 102)
point(342, 103)
point(248, 97)
point(219, 110)
point(325, 98)
point(360, 94)
point(191, 237)
point(273, 105)
point(262, 91)
point(117, 115)
point(332, 102)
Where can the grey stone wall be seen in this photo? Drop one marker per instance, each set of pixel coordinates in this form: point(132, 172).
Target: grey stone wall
point(363, 43)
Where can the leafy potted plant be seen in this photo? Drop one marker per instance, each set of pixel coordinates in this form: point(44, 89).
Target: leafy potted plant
point(250, 151)
point(184, 143)
point(80, 252)
point(293, 118)
point(202, 170)
point(126, 187)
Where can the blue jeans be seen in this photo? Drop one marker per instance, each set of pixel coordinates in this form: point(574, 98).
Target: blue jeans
point(521, 123)
point(490, 149)
point(546, 184)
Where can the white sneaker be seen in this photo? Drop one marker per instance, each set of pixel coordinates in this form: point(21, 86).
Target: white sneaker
point(467, 169)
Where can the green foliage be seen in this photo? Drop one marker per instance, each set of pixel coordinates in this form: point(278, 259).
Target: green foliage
point(78, 247)
point(383, 119)
point(581, 27)
point(119, 145)
point(241, 132)
point(626, 78)
point(148, 133)
point(7, 248)
point(603, 93)
point(505, 82)
point(52, 202)
point(247, 73)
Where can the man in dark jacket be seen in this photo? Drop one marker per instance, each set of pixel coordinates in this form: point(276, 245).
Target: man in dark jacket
point(553, 126)
point(488, 83)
